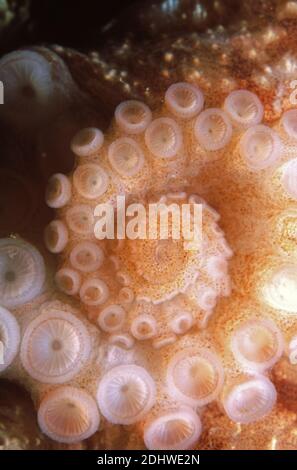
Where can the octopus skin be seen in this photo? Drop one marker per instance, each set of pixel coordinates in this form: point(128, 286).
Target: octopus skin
point(137, 336)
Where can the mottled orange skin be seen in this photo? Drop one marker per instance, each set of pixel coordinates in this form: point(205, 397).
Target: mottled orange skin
point(253, 48)
point(219, 46)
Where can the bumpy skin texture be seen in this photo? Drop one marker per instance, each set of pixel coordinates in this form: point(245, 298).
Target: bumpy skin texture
point(253, 206)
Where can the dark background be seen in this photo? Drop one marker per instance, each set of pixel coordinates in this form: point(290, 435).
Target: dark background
point(72, 23)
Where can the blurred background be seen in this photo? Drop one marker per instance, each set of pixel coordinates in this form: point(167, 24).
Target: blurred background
point(74, 24)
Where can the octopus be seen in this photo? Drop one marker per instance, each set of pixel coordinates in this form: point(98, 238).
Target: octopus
point(143, 344)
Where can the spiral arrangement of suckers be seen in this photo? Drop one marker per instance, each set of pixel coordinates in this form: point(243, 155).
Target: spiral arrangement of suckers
point(155, 371)
point(147, 290)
